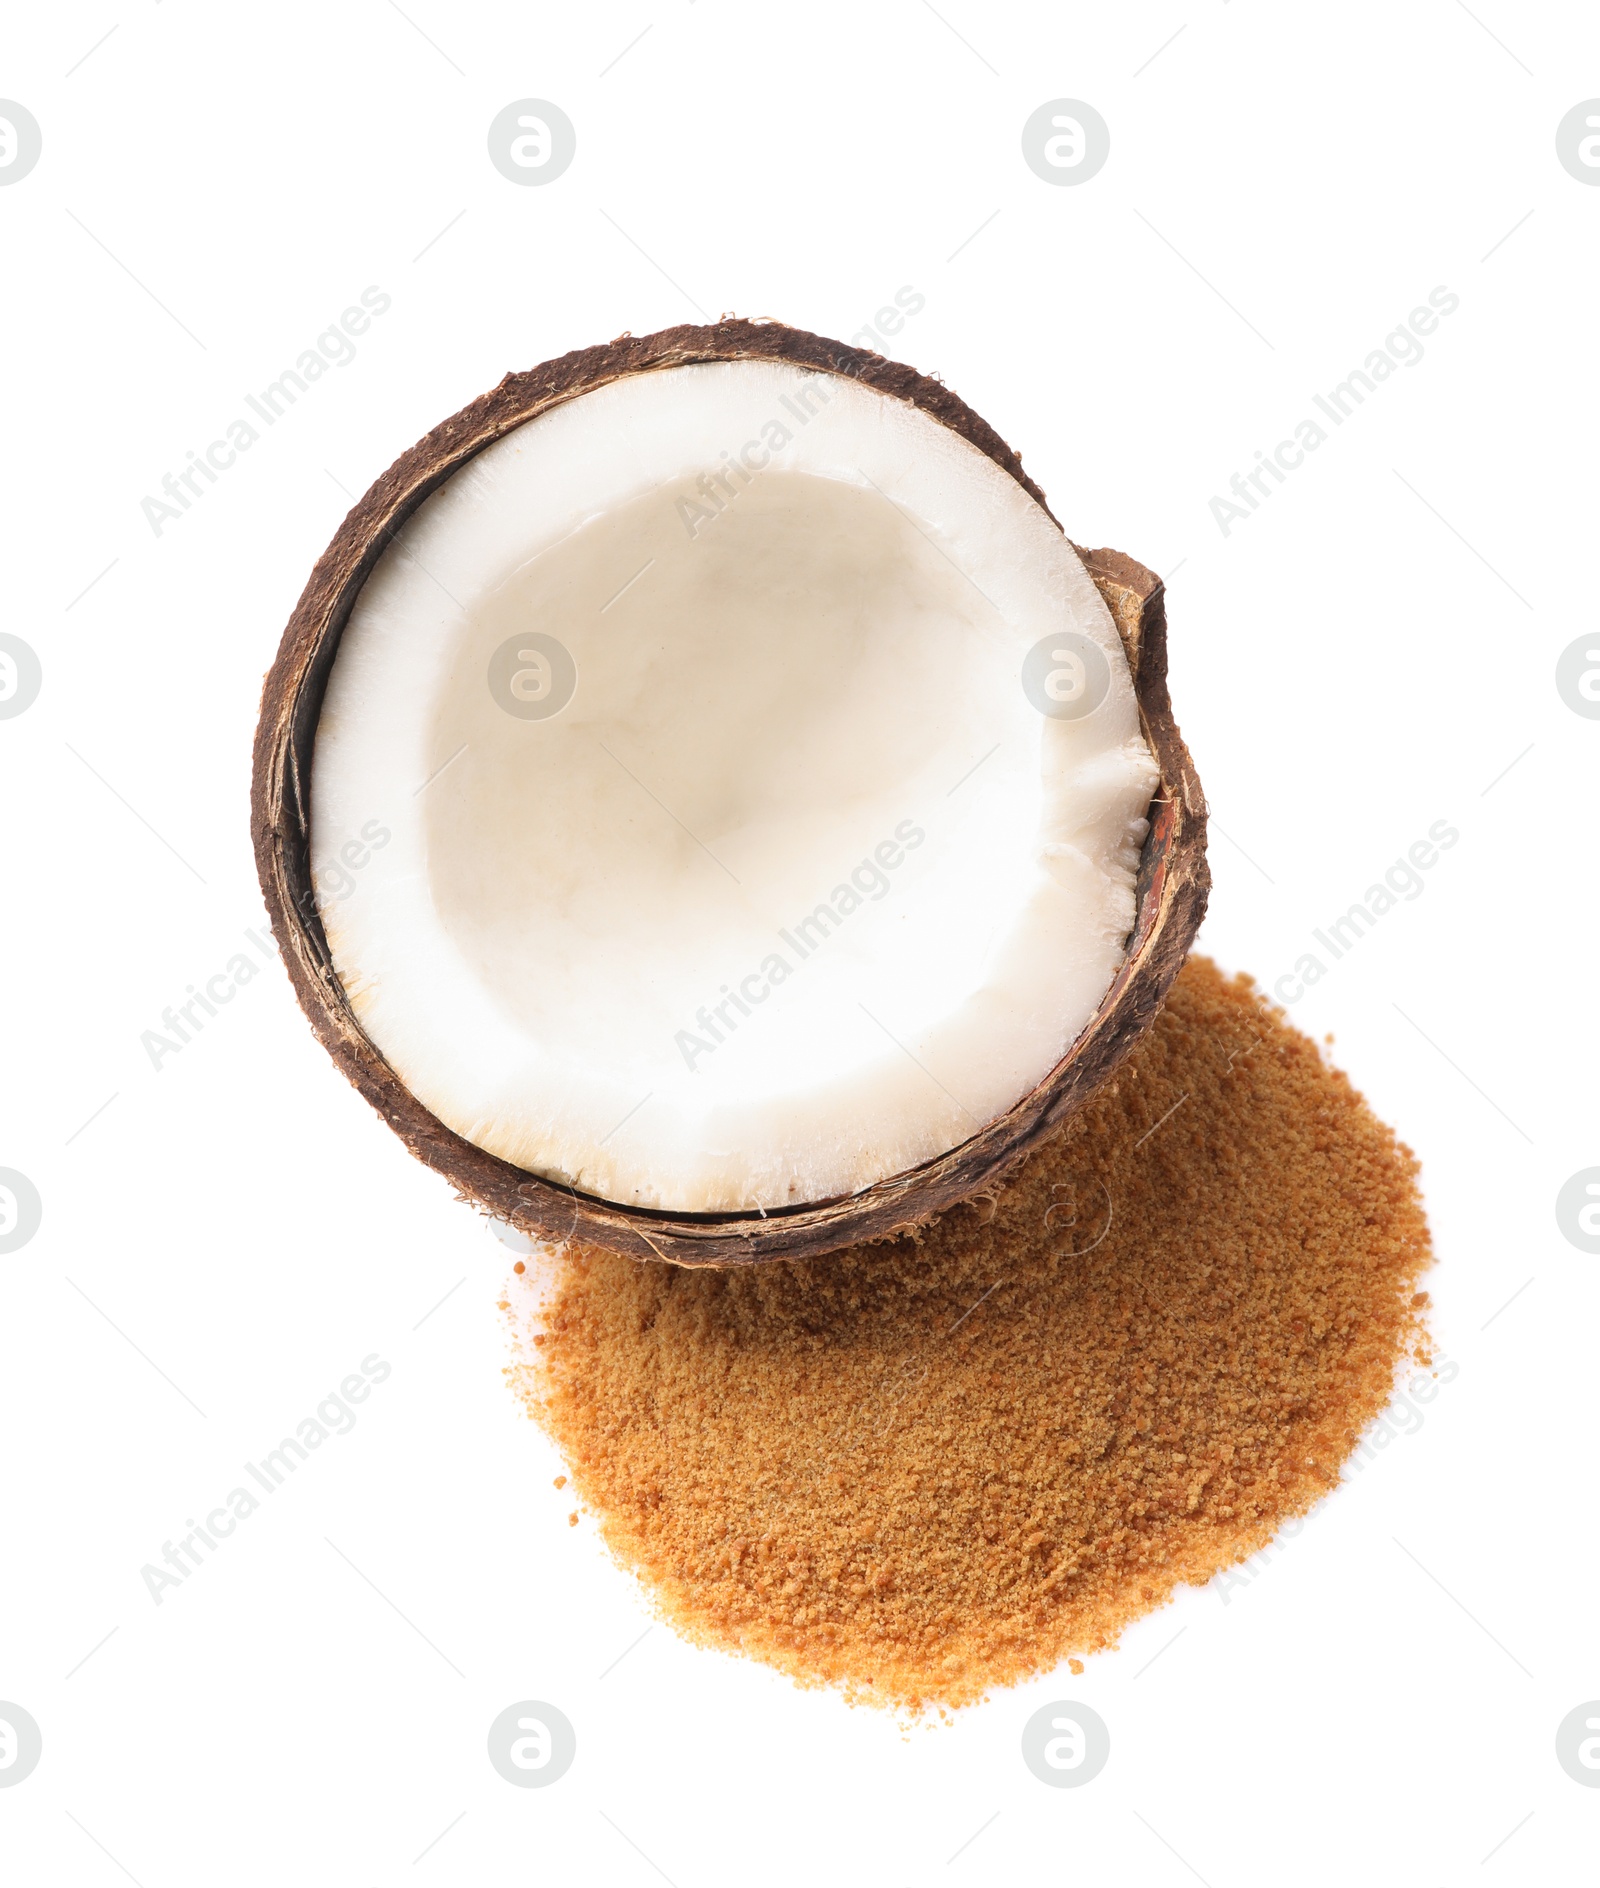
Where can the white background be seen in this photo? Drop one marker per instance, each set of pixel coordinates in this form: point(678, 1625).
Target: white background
point(234, 1233)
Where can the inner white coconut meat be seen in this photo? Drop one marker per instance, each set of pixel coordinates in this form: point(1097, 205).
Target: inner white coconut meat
point(729, 792)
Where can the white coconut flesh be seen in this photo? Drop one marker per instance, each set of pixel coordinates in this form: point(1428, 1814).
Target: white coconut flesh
point(698, 820)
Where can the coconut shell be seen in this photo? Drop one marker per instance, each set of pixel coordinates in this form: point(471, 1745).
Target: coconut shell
point(1171, 890)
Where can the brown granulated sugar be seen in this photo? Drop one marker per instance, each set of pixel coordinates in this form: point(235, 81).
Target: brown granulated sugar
point(923, 1468)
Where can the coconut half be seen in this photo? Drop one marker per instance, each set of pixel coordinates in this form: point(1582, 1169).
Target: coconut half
point(708, 803)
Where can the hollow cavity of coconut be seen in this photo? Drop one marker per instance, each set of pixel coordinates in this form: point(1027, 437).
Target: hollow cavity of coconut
point(712, 811)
